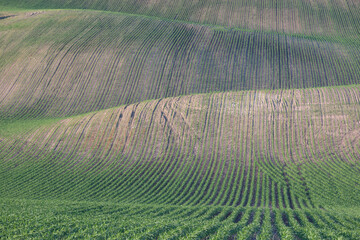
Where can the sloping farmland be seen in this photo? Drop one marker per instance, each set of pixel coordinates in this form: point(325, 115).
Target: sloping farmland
point(157, 119)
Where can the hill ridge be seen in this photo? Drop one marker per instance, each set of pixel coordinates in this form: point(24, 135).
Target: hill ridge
point(105, 61)
point(161, 138)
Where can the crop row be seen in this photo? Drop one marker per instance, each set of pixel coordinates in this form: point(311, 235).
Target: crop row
point(63, 219)
point(293, 149)
point(290, 16)
point(64, 63)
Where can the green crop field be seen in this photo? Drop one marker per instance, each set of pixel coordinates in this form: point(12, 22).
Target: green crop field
point(196, 119)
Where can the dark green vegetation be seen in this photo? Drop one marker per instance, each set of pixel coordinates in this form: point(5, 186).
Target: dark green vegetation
point(180, 119)
point(53, 219)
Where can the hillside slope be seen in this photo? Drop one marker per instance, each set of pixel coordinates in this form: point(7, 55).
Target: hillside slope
point(199, 119)
point(294, 149)
point(280, 164)
point(291, 16)
point(60, 63)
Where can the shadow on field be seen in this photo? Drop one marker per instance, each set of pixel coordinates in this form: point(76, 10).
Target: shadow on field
point(4, 17)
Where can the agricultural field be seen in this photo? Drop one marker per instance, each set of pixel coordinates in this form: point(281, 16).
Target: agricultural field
point(199, 119)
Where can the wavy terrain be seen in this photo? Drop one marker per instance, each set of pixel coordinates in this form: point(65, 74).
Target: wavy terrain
point(179, 119)
point(85, 61)
point(290, 16)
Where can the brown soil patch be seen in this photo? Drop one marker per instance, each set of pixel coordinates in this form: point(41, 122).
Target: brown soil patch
point(33, 14)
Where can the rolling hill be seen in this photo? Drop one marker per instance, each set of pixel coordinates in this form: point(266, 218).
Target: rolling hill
point(180, 119)
point(290, 16)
